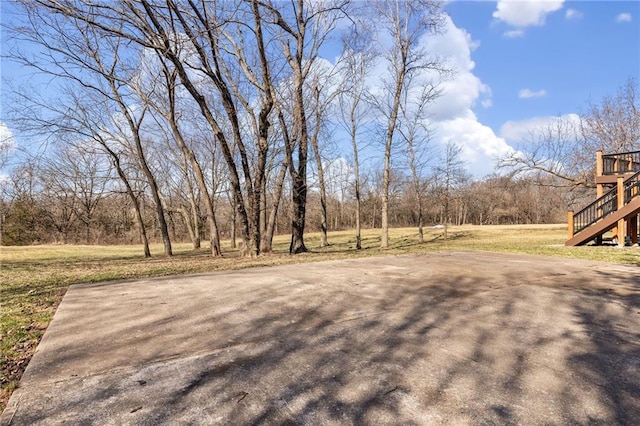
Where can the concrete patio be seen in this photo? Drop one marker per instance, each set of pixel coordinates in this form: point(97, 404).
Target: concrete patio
point(445, 338)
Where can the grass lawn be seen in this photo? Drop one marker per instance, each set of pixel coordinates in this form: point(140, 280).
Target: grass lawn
point(35, 278)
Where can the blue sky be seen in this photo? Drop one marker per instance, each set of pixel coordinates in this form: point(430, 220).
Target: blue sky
point(534, 61)
point(584, 50)
point(518, 64)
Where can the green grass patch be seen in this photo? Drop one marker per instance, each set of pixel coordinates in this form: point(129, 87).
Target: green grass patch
point(35, 278)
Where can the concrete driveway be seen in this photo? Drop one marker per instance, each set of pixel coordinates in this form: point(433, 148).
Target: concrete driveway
point(447, 338)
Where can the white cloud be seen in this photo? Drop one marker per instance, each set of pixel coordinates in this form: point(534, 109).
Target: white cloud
point(528, 94)
point(453, 118)
point(7, 144)
point(463, 89)
point(520, 13)
point(480, 145)
point(513, 33)
point(522, 130)
point(573, 14)
point(624, 17)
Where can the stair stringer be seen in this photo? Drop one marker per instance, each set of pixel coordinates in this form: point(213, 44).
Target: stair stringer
point(605, 224)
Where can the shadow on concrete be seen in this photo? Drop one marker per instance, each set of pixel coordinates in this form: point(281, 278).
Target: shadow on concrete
point(610, 315)
point(456, 340)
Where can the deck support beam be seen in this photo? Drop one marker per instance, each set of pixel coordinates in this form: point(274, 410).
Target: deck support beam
point(632, 229)
point(621, 231)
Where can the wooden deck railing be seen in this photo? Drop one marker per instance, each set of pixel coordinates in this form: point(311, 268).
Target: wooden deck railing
point(595, 211)
point(623, 162)
point(631, 188)
point(606, 204)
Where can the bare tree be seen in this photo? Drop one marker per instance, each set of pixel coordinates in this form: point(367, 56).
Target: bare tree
point(406, 22)
point(266, 245)
point(213, 35)
point(23, 216)
point(62, 205)
point(356, 61)
point(614, 124)
point(258, 113)
point(78, 178)
point(79, 53)
point(86, 120)
point(565, 148)
point(416, 134)
point(557, 150)
point(304, 28)
point(450, 174)
point(183, 196)
point(324, 88)
point(7, 146)
point(163, 34)
point(164, 100)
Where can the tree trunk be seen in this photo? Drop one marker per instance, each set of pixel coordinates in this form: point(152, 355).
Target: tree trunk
point(215, 236)
point(446, 215)
point(299, 186)
point(266, 245)
point(299, 199)
point(420, 220)
point(384, 239)
point(134, 200)
point(194, 223)
point(142, 160)
point(316, 151)
point(214, 240)
point(386, 176)
point(264, 217)
point(155, 193)
point(187, 220)
point(233, 228)
point(200, 180)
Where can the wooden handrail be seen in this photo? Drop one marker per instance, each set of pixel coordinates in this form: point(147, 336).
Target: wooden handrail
point(631, 187)
point(618, 163)
point(608, 203)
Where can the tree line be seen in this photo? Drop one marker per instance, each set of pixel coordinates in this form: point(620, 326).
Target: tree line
point(48, 206)
point(218, 119)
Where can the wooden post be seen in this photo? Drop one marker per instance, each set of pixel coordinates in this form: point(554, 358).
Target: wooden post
point(633, 222)
point(620, 192)
point(599, 172)
point(622, 229)
point(632, 230)
point(570, 224)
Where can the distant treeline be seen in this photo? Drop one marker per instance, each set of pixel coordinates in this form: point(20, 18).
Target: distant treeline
point(48, 209)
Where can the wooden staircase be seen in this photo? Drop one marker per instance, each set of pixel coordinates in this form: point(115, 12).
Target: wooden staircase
point(616, 209)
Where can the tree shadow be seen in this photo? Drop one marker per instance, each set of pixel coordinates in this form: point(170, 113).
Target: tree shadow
point(389, 344)
point(611, 314)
